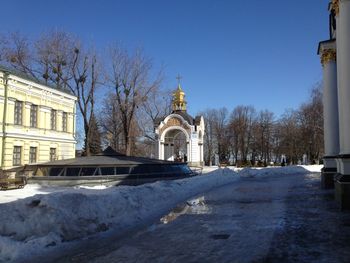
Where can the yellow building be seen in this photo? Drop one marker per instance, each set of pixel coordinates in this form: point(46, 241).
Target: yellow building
point(37, 121)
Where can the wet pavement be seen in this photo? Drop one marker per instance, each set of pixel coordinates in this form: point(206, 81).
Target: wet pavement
point(269, 219)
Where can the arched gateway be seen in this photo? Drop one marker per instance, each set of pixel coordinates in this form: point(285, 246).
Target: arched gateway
point(180, 137)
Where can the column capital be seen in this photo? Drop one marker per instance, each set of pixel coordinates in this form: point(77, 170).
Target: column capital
point(335, 7)
point(328, 55)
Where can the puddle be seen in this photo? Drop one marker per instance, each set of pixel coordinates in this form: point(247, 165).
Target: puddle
point(178, 211)
point(195, 206)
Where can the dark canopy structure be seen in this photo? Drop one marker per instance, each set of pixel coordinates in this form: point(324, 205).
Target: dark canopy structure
point(111, 163)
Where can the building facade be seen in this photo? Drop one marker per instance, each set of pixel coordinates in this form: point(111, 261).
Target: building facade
point(180, 136)
point(37, 121)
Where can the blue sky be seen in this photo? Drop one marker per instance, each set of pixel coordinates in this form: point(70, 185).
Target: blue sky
point(232, 52)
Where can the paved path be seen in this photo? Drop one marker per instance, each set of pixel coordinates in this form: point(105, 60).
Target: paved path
point(271, 219)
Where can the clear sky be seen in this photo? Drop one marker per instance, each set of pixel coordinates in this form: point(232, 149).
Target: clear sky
point(232, 52)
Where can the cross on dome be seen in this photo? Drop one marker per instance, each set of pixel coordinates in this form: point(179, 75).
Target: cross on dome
point(178, 77)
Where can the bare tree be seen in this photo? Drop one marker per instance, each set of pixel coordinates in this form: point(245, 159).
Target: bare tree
point(3, 46)
point(264, 134)
point(220, 130)
point(83, 80)
point(209, 135)
point(311, 120)
point(68, 65)
point(241, 124)
point(290, 136)
point(156, 105)
point(57, 58)
point(130, 77)
point(55, 55)
point(18, 53)
point(110, 123)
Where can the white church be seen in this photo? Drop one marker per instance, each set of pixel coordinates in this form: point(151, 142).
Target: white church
point(180, 136)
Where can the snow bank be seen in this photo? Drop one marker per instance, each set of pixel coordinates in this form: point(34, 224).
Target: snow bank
point(312, 168)
point(45, 221)
point(286, 170)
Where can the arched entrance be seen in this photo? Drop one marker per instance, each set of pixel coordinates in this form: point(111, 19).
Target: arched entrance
point(175, 146)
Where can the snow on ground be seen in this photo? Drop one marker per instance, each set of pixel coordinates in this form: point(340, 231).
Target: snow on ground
point(54, 215)
point(27, 191)
point(313, 168)
point(286, 170)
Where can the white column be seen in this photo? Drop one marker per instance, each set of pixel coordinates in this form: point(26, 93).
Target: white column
point(327, 50)
point(194, 150)
point(160, 150)
point(189, 155)
point(343, 67)
point(171, 152)
point(330, 100)
point(202, 154)
point(165, 151)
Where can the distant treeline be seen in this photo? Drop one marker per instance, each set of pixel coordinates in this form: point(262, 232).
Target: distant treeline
point(247, 137)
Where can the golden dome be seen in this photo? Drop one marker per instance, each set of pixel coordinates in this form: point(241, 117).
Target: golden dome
point(179, 102)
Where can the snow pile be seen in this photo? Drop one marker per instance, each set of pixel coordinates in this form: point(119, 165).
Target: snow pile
point(45, 221)
point(286, 170)
point(313, 168)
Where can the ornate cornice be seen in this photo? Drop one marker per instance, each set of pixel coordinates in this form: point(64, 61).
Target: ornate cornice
point(335, 6)
point(328, 55)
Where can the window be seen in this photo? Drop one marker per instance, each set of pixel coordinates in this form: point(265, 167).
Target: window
point(73, 171)
point(18, 112)
point(64, 121)
point(87, 171)
point(52, 154)
point(55, 171)
point(53, 119)
point(33, 115)
point(32, 155)
point(17, 150)
point(107, 170)
point(122, 170)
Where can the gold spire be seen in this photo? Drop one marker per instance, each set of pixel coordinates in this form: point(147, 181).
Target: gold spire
point(179, 102)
